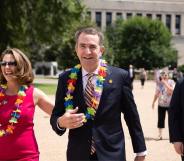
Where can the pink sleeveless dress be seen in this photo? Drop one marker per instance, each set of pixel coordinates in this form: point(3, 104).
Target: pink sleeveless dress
point(21, 145)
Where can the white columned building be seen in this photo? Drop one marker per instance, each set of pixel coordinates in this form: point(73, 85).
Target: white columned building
point(170, 12)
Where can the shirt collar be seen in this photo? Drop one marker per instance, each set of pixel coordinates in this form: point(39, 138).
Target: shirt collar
point(84, 72)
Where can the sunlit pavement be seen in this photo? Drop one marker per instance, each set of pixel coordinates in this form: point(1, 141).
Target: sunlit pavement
point(53, 147)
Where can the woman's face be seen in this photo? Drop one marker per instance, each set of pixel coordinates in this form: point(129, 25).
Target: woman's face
point(165, 76)
point(8, 67)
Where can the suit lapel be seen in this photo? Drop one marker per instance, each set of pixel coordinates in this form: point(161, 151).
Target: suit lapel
point(79, 98)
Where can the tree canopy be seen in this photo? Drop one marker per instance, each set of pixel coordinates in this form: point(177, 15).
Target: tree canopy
point(142, 42)
point(44, 29)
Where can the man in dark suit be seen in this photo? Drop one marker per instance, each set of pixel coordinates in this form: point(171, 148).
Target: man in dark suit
point(95, 130)
point(176, 118)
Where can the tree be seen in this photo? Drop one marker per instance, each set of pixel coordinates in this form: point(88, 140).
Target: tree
point(142, 42)
point(49, 27)
point(44, 29)
point(10, 24)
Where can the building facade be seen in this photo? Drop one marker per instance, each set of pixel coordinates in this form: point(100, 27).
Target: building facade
point(170, 12)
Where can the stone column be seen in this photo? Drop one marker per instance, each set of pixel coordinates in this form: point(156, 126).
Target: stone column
point(144, 14)
point(153, 16)
point(93, 18)
point(103, 26)
point(164, 19)
point(173, 24)
point(113, 16)
point(51, 69)
point(133, 14)
point(124, 15)
point(182, 24)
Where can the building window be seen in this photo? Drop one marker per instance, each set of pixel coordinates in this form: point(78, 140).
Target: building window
point(159, 17)
point(119, 15)
point(178, 24)
point(149, 15)
point(139, 14)
point(108, 18)
point(98, 19)
point(168, 22)
point(129, 15)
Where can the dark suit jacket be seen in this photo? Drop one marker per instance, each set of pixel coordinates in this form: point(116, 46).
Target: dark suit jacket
point(106, 128)
point(176, 113)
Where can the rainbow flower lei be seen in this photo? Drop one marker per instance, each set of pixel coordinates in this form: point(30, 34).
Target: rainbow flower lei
point(15, 114)
point(90, 111)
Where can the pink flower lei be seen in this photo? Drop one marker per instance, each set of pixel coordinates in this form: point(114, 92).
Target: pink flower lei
point(90, 111)
point(15, 114)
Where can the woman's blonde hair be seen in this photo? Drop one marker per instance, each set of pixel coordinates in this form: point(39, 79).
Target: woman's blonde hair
point(24, 73)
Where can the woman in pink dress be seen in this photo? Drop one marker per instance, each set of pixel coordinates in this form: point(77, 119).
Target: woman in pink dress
point(18, 99)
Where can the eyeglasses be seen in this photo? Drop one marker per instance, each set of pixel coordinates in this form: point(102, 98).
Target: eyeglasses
point(10, 63)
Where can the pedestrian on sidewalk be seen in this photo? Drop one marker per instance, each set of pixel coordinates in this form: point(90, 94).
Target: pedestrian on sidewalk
point(89, 101)
point(143, 76)
point(131, 72)
point(176, 118)
point(18, 99)
point(163, 92)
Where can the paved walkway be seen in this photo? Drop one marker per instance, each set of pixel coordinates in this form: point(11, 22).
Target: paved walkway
point(53, 147)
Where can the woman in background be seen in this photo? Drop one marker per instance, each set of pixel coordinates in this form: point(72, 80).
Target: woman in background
point(143, 77)
point(164, 90)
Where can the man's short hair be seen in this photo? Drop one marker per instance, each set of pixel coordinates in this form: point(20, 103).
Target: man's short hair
point(90, 31)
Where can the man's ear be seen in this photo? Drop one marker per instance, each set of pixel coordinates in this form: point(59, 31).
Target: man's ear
point(102, 49)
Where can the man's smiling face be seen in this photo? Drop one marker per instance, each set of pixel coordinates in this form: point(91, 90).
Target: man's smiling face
point(88, 51)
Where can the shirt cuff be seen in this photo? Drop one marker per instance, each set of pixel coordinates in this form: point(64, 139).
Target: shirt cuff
point(60, 128)
point(144, 153)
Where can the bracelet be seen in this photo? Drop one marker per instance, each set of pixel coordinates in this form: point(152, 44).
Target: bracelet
point(60, 128)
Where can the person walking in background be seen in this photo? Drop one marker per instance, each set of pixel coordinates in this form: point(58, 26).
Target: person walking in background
point(131, 74)
point(175, 74)
point(143, 76)
point(18, 99)
point(89, 101)
point(163, 93)
point(176, 118)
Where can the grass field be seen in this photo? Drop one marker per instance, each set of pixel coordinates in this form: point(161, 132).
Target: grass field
point(49, 89)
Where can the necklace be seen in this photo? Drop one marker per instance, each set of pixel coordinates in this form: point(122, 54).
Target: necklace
point(15, 114)
point(90, 111)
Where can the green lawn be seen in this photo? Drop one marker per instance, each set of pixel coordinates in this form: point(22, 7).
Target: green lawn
point(49, 89)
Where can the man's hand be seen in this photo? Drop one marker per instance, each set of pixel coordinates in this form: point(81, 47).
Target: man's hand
point(71, 119)
point(139, 158)
point(178, 146)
